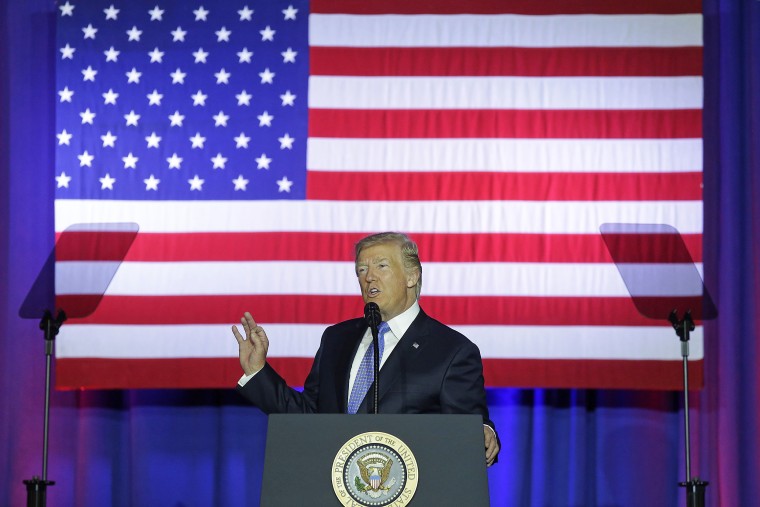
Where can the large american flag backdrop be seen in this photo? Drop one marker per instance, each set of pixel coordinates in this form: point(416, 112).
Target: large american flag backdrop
point(254, 142)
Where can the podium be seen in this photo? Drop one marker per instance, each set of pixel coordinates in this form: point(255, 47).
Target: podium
point(379, 460)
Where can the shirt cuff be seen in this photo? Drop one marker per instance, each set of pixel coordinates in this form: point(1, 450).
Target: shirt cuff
point(487, 426)
point(245, 378)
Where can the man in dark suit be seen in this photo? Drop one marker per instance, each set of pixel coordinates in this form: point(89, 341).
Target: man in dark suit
point(425, 366)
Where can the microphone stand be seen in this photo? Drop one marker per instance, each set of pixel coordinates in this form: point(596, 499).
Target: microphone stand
point(376, 347)
point(695, 487)
point(36, 495)
point(373, 318)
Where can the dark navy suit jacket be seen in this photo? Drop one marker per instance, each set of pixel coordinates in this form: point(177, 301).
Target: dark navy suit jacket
point(432, 370)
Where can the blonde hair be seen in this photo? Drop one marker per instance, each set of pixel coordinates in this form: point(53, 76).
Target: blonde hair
point(409, 251)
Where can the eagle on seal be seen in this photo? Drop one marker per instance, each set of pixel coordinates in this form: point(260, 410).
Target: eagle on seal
point(375, 476)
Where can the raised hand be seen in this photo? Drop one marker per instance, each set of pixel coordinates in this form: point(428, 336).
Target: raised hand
point(253, 347)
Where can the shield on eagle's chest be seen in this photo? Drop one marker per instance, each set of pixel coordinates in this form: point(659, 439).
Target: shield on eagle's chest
point(374, 479)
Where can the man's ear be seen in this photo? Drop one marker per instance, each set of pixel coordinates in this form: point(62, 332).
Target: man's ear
point(412, 278)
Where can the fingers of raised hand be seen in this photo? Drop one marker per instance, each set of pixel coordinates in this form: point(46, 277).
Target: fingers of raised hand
point(260, 335)
point(251, 331)
point(237, 334)
point(249, 324)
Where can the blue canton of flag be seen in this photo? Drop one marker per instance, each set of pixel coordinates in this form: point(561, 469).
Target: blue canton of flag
point(182, 101)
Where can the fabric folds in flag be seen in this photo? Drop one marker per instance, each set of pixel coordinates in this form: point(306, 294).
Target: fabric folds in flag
point(253, 143)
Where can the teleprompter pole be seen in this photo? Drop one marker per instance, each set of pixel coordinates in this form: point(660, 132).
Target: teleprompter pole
point(36, 487)
point(695, 487)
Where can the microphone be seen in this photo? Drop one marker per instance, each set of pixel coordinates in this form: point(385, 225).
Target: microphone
point(373, 318)
point(372, 314)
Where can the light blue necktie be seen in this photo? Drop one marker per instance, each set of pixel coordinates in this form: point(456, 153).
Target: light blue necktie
point(366, 373)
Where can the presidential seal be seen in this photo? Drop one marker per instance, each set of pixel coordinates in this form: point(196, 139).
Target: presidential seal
point(375, 469)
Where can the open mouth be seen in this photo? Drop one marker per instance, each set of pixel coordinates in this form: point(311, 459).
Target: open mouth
point(373, 292)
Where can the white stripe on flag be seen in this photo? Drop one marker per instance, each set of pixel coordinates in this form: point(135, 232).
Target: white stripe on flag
point(488, 30)
point(506, 155)
point(338, 278)
point(350, 92)
point(302, 340)
point(565, 217)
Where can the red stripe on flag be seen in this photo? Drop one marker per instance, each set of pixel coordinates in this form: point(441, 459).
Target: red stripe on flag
point(190, 373)
point(93, 245)
point(502, 7)
point(304, 309)
point(324, 246)
point(489, 186)
point(509, 123)
point(194, 373)
point(641, 248)
point(505, 61)
point(596, 374)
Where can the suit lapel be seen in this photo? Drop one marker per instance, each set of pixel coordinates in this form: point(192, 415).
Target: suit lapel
point(345, 361)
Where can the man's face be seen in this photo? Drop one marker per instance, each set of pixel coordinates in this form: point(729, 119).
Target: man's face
point(384, 280)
